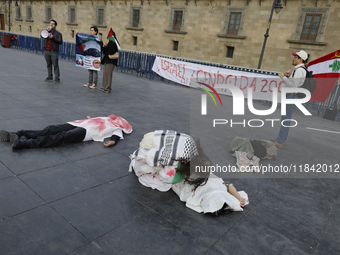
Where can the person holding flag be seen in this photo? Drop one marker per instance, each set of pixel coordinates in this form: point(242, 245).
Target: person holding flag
point(93, 74)
point(111, 54)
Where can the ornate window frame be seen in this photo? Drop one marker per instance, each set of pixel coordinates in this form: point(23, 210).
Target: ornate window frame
point(304, 11)
point(130, 26)
point(29, 16)
point(98, 8)
point(48, 19)
point(226, 23)
point(171, 21)
point(69, 13)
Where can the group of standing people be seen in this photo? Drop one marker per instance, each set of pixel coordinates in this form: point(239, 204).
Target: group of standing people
point(51, 50)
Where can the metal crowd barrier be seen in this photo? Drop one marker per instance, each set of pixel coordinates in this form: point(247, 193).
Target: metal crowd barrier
point(333, 100)
point(142, 62)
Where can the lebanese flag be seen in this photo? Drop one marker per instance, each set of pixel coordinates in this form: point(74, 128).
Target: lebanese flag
point(326, 71)
point(111, 37)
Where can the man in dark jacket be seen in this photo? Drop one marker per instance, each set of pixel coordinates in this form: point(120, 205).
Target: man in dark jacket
point(51, 46)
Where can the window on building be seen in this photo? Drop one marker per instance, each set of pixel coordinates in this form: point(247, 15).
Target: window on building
point(100, 18)
point(178, 18)
point(311, 27)
point(234, 23)
point(48, 13)
point(17, 12)
point(72, 14)
point(134, 40)
point(175, 46)
point(28, 12)
point(135, 18)
point(230, 52)
point(72, 33)
point(30, 27)
point(19, 27)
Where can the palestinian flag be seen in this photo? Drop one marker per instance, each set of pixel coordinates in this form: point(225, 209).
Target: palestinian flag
point(111, 37)
point(326, 71)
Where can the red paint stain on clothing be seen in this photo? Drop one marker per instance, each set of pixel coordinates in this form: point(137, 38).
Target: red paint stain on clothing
point(100, 123)
point(171, 172)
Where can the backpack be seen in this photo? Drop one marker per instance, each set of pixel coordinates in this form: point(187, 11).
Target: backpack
point(309, 83)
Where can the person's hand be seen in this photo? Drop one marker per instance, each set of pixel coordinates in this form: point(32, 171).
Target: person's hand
point(282, 75)
point(89, 117)
point(105, 43)
point(288, 73)
point(109, 143)
point(51, 36)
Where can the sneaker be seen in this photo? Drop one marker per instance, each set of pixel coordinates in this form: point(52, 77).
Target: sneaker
point(87, 85)
point(48, 79)
point(107, 91)
point(57, 81)
point(274, 141)
point(4, 136)
point(93, 86)
point(278, 145)
point(102, 89)
point(13, 137)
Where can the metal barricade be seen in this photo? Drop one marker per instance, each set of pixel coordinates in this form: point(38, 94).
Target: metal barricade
point(142, 63)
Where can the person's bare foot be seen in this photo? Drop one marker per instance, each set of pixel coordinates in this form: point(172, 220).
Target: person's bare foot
point(109, 143)
point(242, 201)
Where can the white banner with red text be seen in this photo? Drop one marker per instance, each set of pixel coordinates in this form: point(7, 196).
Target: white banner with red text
point(190, 74)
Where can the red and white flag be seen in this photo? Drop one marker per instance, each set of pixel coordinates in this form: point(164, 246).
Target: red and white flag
point(326, 71)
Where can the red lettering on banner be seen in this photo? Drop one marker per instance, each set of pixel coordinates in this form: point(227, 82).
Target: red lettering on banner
point(242, 88)
point(197, 78)
point(282, 82)
point(266, 82)
point(271, 84)
point(253, 84)
point(173, 68)
point(218, 78)
point(226, 79)
point(179, 71)
point(211, 80)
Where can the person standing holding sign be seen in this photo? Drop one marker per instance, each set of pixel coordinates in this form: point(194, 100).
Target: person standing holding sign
point(51, 46)
point(93, 74)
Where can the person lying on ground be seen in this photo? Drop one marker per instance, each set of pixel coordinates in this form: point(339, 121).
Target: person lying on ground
point(166, 160)
point(96, 129)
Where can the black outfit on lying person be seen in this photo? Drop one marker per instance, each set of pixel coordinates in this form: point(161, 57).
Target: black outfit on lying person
point(52, 135)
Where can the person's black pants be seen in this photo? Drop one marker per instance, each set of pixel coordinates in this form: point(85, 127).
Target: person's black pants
point(53, 135)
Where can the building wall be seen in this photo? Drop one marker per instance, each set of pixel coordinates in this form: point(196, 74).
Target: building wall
point(204, 23)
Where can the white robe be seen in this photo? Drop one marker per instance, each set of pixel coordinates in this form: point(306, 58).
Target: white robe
point(208, 198)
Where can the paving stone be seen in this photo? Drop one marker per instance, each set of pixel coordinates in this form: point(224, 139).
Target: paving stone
point(4, 172)
point(99, 210)
point(23, 161)
point(60, 181)
point(150, 234)
point(252, 237)
point(16, 197)
point(40, 231)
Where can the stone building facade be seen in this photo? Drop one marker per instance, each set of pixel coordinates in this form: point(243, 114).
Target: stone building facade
point(221, 31)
